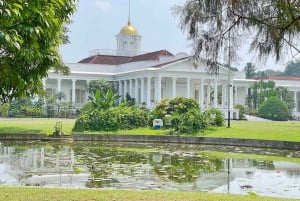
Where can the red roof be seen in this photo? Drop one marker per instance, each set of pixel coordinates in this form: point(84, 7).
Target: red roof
point(277, 78)
point(116, 60)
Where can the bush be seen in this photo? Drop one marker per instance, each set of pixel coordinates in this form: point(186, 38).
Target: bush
point(112, 119)
point(190, 122)
point(242, 110)
point(214, 117)
point(274, 109)
point(182, 105)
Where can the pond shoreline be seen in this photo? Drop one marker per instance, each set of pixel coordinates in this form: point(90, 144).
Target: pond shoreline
point(289, 145)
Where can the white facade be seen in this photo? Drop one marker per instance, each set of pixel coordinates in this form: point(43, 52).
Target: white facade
point(153, 76)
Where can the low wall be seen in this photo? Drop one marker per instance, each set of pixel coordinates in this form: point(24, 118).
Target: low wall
point(160, 139)
point(190, 140)
point(22, 136)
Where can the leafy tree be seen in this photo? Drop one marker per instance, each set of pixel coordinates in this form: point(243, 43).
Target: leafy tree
point(102, 85)
point(260, 91)
point(268, 72)
point(212, 25)
point(31, 32)
point(104, 101)
point(275, 109)
point(250, 70)
point(292, 69)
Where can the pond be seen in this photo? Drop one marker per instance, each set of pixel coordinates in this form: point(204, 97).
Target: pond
point(151, 167)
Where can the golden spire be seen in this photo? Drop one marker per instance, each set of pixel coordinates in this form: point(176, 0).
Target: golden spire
point(129, 29)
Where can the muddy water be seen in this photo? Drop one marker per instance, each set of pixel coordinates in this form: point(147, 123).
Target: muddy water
point(148, 167)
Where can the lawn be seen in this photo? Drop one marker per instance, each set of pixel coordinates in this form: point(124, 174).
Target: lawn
point(44, 194)
point(272, 130)
point(34, 126)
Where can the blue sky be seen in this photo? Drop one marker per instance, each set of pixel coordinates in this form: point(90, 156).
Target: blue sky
point(97, 22)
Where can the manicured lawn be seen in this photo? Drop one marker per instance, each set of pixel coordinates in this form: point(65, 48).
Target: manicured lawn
point(33, 126)
point(271, 130)
point(44, 194)
point(288, 131)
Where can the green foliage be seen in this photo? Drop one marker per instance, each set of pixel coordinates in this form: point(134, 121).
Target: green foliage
point(4, 108)
point(273, 108)
point(186, 116)
point(31, 32)
point(190, 122)
point(250, 70)
point(112, 119)
point(260, 91)
point(182, 105)
point(212, 25)
point(214, 117)
point(242, 110)
point(161, 109)
point(102, 85)
point(292, 69)
point(104, 101)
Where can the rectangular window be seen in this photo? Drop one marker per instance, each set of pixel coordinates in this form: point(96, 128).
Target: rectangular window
point(51, 92)
point(80, 96)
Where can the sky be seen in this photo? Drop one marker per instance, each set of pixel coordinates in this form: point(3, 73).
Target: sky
point(97, 22)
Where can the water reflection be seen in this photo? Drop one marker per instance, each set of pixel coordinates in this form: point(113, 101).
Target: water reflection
point(147, 166)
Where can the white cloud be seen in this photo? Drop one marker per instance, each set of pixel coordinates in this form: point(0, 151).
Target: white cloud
point(103, 5)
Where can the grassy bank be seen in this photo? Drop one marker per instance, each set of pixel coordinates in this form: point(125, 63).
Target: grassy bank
point(42, 194)
point(282, 131)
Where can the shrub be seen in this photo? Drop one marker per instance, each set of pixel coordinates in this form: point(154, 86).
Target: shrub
point(214, 117)
point(182, 105)
point(242, 110)
point(190, 122)
point(112, 119)
point(274, 109)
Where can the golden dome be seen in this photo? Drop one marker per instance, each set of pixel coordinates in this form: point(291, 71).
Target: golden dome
point(129, 30)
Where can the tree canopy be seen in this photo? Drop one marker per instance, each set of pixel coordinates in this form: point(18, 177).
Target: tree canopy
point(292, 69)
point(31, 32)
point(272, 26)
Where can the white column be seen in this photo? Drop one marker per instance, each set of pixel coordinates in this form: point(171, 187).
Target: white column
point(158, 89)
point(136, 92)
point(188, 87)
point(58, 85)
point(208, 94)
point(231, 96)
point(74, 91)
point(44, 83)
point(223, 95)
point(142, 90)
point(235, 94)
point(201, 97)
point(295, 101)
point(130, 88)
point(120, 90)
point(149, 92)
point(87, 91)
point(174, 87)
point(125, 89)
point(215, 93)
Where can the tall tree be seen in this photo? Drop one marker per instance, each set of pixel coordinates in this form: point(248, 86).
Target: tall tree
point(292, 69)
point(31, 32)
point(250, 70)
point(212, 25)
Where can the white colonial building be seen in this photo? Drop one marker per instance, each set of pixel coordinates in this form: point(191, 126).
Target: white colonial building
point(150, 77)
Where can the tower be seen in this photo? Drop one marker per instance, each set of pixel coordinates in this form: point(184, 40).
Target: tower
point(128, 40)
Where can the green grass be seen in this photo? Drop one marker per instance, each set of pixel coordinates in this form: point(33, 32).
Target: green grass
point(34, 126)
point(53, 194)
point(271, 130)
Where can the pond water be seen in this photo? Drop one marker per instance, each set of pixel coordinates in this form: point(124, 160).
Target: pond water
point(148, 167)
